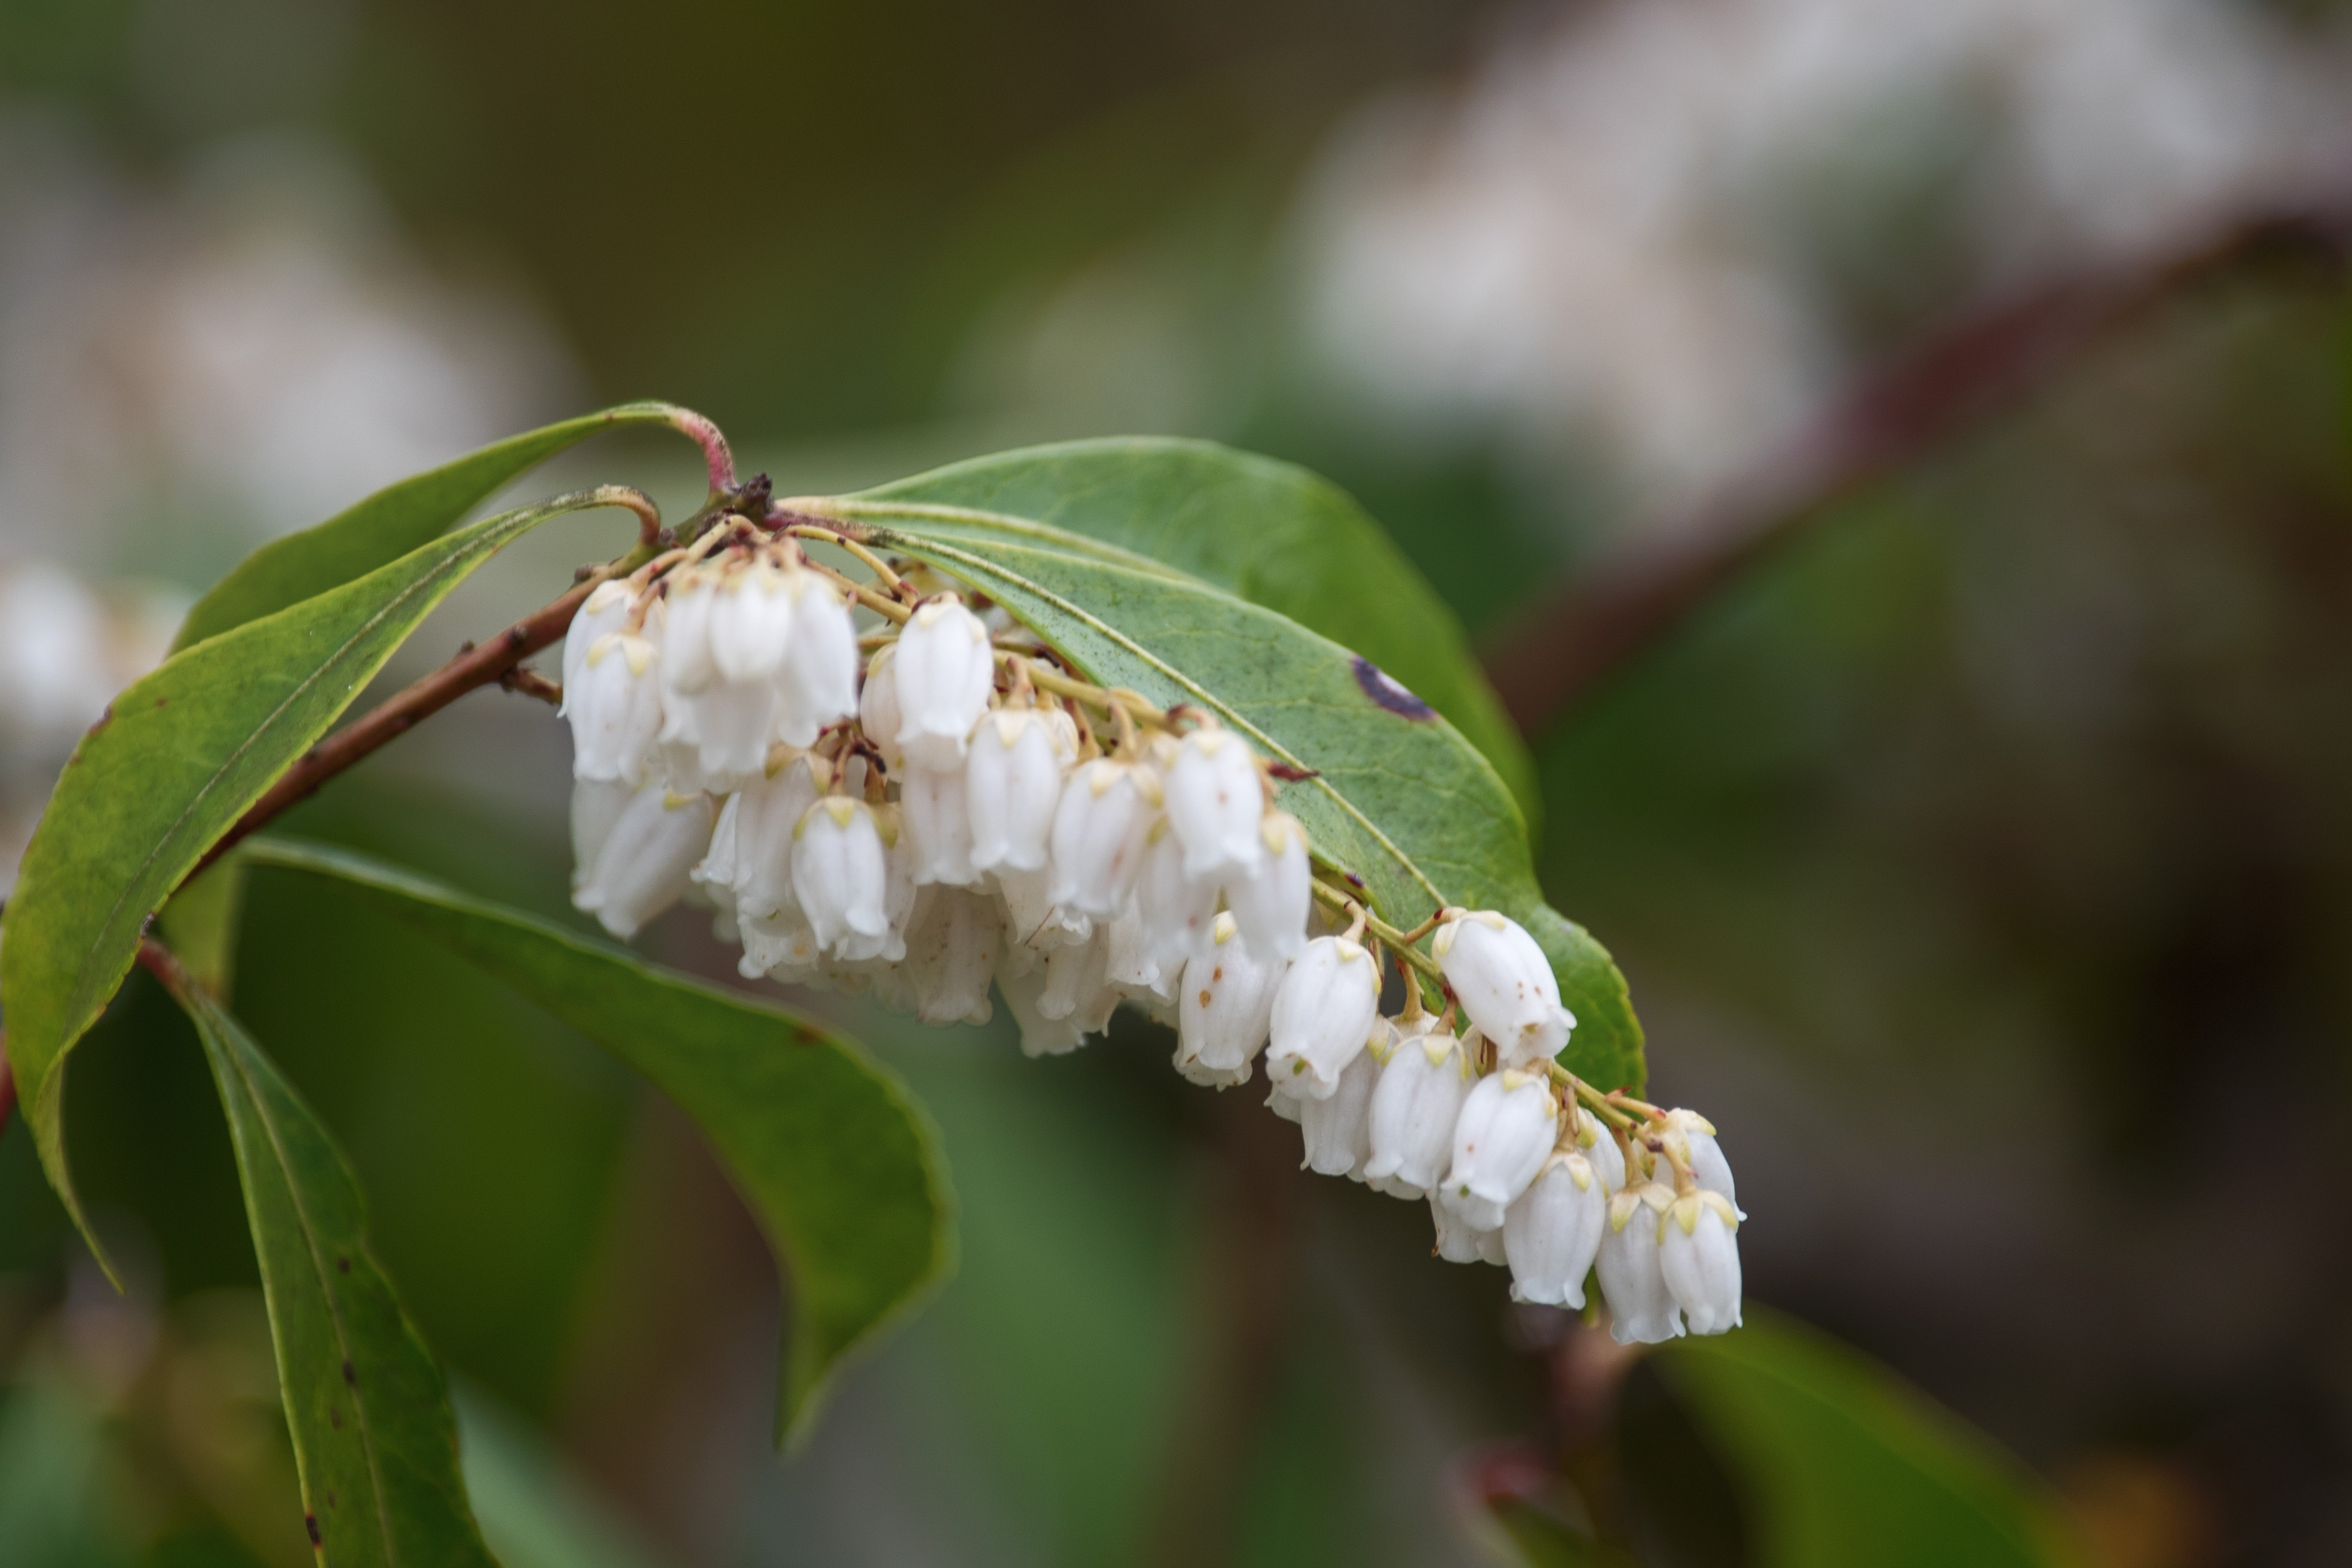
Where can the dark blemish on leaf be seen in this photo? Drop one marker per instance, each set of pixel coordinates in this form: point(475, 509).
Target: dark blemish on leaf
point(330, 1500)
point(350, 1376)
point(161, 700)
point(343, 1266)
point(106, 718)
point(335, 1417)
point(1385, 691)
point(311, 1523)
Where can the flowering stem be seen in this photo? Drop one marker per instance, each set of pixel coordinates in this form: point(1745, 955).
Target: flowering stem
point(880, 604)
point(1607, 1106)
point(1389, 936)
point(875, 564)
point(1134, 707)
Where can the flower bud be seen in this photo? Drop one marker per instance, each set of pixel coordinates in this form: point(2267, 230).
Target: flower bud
point(1223, 1009)
point(818, 683)
point(1641, 1309)
point(688, 595)
point(1271, 901)
point(1215, 801)
point(1698, 1253)
point(1459, 1242)
point(932, 804)
point(1325, 1013)
point(647, 858)
point(1013, 782)
point(1508, 1125)
point(751, 623)
point(1097, 840)
point(839, 874)
point(877, 706)
point(1552, 1232)
point(951, 952)
point(1337, 1131)
point(1414, 1106)
point(1040, 1035)
point(946, 671)
point(1506, 985)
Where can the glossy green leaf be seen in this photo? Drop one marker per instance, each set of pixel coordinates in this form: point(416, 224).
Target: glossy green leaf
point(1841, 1463)
point(1401, 800)
point(374, 1442)
point(825, 1144)
point(1268, 531)
point(394, 520)
point(173, 764)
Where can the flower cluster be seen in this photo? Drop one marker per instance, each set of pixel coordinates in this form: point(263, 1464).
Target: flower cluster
point(935, 809)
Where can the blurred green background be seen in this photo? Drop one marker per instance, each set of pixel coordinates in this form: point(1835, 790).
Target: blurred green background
point(1982, 862)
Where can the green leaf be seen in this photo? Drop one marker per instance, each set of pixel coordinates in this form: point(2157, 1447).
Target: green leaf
point(374, 1442)
point(825, 1144)
point(200, 924)
point(1268, 531)
point(1843, 1463)
point(1402, 800)
point(394, 520)
point(173, 764)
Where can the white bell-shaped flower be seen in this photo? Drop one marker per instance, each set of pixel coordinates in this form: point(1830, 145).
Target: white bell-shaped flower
point(877, 706)
point(613, 699)
point(603, 613)
point(1505, 985)
point(1698, 1253)
point(865, 952)
point(1509, 1127)
point(751, 623)
point(1552, 1232)
point(838, 873)
point(1595, 1142)
point(1036, 923)
point(647, 862)
point(951, 952)
point(715, 873)
point(1225, 1008)
point(1012, 783)
point(1135, 973)
point(1458, 1241)
point(1216, 802)
point(596, 809)
point(945, 671)
point(1272, 900)
point(1337, 1131)
point(1040, 1035)
point(782, 946)
point(1098, 836)
point(1642, 1307)
point(767, 813)
point(1693, 1137)
point(1326, 1013)
point(688, 595)
point(818, 683)
point(1175, 913)
point(932, 805)
point(1076, 976)
point(1419, 1098)
point(716, 738)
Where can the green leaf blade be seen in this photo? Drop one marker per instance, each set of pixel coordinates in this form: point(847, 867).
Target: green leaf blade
point(375, 1444)
point(398, 518)
point(830, 1150)
point(180, 755)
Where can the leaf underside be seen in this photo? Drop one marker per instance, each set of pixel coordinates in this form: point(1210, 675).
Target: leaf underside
point(826, 1145)
point(374, 1443)
point(1402, 800)
point(178, 758)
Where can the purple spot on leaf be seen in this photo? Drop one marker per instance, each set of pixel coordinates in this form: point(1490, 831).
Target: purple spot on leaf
point(1385, 691)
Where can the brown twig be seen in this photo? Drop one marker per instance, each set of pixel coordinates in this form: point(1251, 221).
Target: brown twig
point(484, 665)
point(528, 682)
point(1598, 620)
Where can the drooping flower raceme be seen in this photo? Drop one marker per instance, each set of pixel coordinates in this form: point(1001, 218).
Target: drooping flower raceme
point(966, 815)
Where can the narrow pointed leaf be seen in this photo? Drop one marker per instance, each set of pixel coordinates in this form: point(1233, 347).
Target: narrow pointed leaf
point(1268, 531)
point(396, 520)
point(1401, 800)
point(176, 761)
point(824, 1143)
point(374, 1442)
point(1844, 1464)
